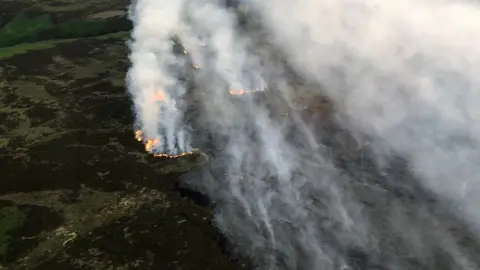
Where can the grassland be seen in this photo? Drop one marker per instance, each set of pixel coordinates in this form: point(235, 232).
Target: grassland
point(77, 191)
point(25, 29)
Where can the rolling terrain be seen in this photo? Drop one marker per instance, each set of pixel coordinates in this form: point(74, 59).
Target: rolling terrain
point(77, 191)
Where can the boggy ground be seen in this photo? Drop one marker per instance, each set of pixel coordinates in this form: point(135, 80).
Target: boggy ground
point(76, 190)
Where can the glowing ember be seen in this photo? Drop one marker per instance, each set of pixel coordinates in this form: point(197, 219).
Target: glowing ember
point(160, 96)
point(173, 156)
point(151, 143)
point(239, 92)
point(139, 135)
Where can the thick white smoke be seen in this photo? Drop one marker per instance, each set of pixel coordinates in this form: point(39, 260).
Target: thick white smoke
point(400, 73)
point(153, 79)
point(409, 75)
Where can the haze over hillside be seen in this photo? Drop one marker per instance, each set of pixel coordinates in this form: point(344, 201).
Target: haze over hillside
point(267, 135)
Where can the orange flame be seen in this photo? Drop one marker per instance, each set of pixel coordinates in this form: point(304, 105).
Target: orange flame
point(159, 96)
point(151, 143)
point(237, 92)
point(138, 135)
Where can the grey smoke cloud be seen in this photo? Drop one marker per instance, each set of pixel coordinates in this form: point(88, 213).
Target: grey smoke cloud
point(409, 77)
point(402, 73)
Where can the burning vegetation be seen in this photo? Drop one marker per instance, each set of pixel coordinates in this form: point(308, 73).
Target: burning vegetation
point(239, 92)
point(158, 96)
point(234, 92)
point(150, 144)
point(153, 144)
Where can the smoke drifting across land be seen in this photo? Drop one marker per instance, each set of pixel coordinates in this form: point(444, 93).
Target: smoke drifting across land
point(402, 73)
point(153, 81)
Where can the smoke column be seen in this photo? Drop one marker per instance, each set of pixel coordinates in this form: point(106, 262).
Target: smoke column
point(403, 78)
point(153, 79)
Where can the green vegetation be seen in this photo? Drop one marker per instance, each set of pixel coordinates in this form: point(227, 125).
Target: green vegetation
point(77, 29)
point(41, 45)
point(23, 29)
point(22, 48)
point(10, 218)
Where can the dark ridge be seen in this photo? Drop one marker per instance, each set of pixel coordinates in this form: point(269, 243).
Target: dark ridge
point(58, 263)
point(189, 193)
point(38, 219)
point(228, 248)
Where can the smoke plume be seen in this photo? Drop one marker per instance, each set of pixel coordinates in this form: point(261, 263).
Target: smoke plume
point(153, 80)
point(388, 180)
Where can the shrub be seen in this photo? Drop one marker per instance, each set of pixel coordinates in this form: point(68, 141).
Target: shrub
point(22, 29)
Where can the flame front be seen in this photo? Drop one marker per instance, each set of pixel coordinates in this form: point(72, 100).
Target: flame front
point(239, 92)
point(151, 143)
